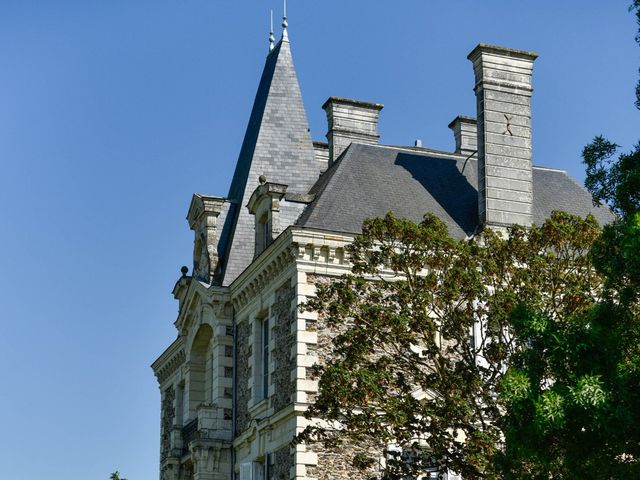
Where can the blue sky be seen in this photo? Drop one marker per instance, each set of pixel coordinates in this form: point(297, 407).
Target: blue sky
point(113, 113)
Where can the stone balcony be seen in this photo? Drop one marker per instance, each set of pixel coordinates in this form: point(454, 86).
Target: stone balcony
point(209, 455)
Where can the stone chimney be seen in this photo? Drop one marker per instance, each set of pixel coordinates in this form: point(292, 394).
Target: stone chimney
point(503, 92)
point(465, 132)
point(350, 121)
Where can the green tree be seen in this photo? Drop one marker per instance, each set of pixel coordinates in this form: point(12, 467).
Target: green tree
point(116, 476)
point(580, 419)
point(550, 386)
point(406, 370)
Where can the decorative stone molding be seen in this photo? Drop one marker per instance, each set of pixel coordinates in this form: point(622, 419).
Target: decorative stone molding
point(167, 365)
point(262, 278)
point(202, 218)
point(264, 204)
point(206, 455)
point(318, 253)
point(170, 469)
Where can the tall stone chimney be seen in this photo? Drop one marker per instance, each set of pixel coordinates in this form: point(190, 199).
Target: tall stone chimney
point(503, 92)
point(350, 121)
point(465, 132)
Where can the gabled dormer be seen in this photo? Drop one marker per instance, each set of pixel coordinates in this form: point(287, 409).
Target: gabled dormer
point(264, 205)
point(203, 220)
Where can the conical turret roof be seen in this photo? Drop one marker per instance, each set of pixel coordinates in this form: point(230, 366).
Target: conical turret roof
point(277, 145)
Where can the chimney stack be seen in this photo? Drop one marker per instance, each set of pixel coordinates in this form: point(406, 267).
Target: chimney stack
point(503, 92)
point(350, 121)
point(465, 132)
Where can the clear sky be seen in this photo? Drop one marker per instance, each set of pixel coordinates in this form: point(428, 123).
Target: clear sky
point(113, 113)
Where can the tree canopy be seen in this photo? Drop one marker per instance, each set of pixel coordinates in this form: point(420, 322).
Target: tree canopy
point(512, 355)
point(424, 336)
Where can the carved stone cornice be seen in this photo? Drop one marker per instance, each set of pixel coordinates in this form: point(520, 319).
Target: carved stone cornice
point(170, 361)
point(320, 248)
point(199, 294)
point(262, 278)
point(275, 191)
point(303, 246)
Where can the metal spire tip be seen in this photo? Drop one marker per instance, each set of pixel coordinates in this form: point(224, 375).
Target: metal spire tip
point(285, 24)
point(272, 39)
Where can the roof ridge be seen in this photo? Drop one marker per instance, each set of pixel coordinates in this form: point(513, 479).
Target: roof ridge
point(333, 173)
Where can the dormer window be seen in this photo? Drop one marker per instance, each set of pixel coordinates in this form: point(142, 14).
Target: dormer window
point(265, 206)
point(266, 233)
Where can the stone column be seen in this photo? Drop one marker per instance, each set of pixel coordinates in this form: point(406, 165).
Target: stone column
point(503, 92)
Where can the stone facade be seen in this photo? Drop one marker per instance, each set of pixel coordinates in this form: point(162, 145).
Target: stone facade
point(283, 462)
point(284, 314)
point(168, 415)
point(338, 464)
point(243, 369)
point(236, 382)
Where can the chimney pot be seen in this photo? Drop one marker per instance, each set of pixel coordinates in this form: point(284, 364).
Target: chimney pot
point(350, 121)
point(465, 133)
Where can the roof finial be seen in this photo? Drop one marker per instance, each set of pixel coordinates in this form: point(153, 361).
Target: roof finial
point(272, 39)
point(285, 24)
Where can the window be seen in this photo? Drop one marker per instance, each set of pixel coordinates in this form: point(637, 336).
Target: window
point(266, 232)
point(264, 343)
point(257, 470)
point(403, 460)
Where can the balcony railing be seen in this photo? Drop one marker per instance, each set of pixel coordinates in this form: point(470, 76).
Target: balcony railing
point(188, 434)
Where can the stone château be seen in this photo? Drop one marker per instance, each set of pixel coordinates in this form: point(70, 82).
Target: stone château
point(235, 382)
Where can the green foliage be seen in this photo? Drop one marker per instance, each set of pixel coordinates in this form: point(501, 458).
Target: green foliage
point(550, 385)
point(406, 370)
point(116, 476)
point(579, 420)
point(635, 7)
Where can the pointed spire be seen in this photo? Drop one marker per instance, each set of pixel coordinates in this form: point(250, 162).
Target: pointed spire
point(285, 24)
point(277, 145)
point(272, 39)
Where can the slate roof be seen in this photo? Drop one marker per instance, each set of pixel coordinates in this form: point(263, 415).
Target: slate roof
point(370, 180)
point(277, 144)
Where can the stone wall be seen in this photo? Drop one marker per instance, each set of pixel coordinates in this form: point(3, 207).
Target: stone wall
point(168, 414)
point(338, 463)
point(282, 463)
point(284, 315)
point(244, 350)
point(334, 463)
